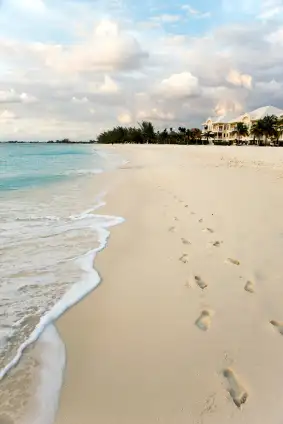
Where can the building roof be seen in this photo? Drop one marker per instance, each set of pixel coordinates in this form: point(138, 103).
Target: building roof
point(260, 113)
point(254, 115)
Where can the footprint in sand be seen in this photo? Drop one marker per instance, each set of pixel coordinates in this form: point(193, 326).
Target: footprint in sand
point(184, 258)
point(237, 392)
point(200, 282)
point(217, 243)
point(185, 241)
point(233, 261)
point(171, 229)
point(278, 325)
point(208, 230)
point(204, 321)
point(200, 220)
point(249, 287)
point(186, 206)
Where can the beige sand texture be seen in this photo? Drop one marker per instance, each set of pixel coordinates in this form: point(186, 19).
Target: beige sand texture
point(134, 352)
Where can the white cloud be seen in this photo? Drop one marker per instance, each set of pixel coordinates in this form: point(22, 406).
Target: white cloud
point(11, 96)
point(167, 18)
point(109, 86)
point(276, 37)
point(107, 49)
point(80, 101)
point(194, 12)
point(190, 9)
point(27, 98)
point(271, 9)
point(7, 116)
point(156, 114)
point(241, 80)
point(179, 86)
point(226, 106)
point(29, 6)
point(125, 118)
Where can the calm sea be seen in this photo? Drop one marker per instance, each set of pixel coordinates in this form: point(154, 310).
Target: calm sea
point(50, 233)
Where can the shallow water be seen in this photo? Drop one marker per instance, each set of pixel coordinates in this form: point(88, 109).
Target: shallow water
point(49, 235)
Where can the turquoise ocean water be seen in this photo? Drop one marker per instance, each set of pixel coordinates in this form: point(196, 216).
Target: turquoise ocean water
point(31, 165)
point(50, 233)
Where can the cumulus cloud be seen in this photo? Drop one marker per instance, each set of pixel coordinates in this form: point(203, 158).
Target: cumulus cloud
point(125, 118)
point(224, 107)
point(109, 86)
point(156, 115)
point(84, 72)
point(241, 80)
point(11, 96)
point(276, 37)
point(107, 48)
point(7, 116)
point(179, 86)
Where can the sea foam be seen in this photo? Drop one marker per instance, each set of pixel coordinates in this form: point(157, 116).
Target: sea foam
point(90, 279)
point(53, 354)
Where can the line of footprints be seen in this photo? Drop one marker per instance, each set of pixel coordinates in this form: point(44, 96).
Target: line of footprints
point(236, 390)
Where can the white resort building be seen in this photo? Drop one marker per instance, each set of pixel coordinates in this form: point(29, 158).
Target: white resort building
point(224, 126)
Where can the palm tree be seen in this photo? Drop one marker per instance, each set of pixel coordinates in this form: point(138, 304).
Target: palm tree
point(174, 137)
point(148, 132)
point(188, 135)
point(208, 134)
point(269, 125)
point(182, 135)
point(196, 134)
point(257, 131)
point(134, 135)
point(241, 130)
point(163, 136)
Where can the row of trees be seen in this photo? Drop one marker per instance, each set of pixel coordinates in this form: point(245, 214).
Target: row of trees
point(270, 128)
point(145, 133)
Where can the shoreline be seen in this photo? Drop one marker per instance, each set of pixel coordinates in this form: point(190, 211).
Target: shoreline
point(27, 368)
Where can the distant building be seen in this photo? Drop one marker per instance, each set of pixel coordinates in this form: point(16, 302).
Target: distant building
point(223, 126)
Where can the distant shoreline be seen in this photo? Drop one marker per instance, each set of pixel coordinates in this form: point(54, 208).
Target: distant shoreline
point(92, 142)
point(49, 142)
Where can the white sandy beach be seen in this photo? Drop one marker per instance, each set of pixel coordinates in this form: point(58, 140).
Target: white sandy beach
point(179, 331)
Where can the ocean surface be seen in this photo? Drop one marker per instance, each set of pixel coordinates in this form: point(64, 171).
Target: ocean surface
point(50, 232)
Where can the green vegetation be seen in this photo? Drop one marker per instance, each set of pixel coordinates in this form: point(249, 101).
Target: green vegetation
point(268, 129)
point(265, 131)
point(241, 130)
point(145, 133)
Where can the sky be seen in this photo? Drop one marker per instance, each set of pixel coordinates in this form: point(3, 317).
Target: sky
point(74, 68)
